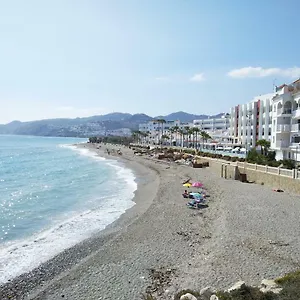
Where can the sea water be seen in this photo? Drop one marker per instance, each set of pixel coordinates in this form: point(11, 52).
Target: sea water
point(52, 196)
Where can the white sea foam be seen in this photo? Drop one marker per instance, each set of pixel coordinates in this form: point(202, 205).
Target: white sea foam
point(21, 256)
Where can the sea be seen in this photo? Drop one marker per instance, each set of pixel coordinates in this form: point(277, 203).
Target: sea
point(52, 196)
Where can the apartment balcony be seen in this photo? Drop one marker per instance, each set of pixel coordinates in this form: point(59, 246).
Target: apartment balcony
point(282, 144)
point(296, 114)
point(284, 112)
point(282, 128)
point(295, 128)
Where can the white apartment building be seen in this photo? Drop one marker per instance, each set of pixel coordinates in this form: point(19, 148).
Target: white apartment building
point(274, 117)
point(286, 121)
point(252, 121)
point(155, 129)
point(217, 128)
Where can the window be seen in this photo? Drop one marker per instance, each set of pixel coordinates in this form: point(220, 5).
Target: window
point(269, 131)
point(275, 108)
point(263, 131)
point(273, 139)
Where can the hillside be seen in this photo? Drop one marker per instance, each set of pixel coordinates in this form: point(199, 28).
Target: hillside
point(113, 123)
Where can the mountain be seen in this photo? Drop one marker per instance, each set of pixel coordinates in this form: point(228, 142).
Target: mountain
point(113, 123)
point(183, 117)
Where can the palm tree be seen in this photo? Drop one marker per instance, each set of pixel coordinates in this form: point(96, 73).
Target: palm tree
point(205, 136)
point(164, 137)
point(186, 133)
point(181, 133)
point(265, 145)
point(171, 131)
point(196, 130)
point(136, 135)
point(176, 130)
point(191, 133)
point(162, 122)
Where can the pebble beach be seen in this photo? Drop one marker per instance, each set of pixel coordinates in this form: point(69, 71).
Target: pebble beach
point(160, 246)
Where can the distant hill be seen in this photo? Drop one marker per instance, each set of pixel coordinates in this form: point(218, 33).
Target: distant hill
point(94, 125)
point(183, 117)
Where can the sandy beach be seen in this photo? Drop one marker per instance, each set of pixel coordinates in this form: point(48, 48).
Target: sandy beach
point(248, 232)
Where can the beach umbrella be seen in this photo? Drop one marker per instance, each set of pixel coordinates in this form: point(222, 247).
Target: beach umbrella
point(187, 184)
point(197, 184)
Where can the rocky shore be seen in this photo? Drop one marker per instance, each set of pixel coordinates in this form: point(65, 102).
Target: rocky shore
point(160, 246)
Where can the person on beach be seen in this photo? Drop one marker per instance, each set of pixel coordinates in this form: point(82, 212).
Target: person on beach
point(185, 194)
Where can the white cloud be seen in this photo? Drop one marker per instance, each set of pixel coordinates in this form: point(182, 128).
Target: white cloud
point(258, 72)
point(198, 77)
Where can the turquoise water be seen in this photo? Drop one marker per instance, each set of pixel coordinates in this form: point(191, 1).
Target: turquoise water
point(53, 195)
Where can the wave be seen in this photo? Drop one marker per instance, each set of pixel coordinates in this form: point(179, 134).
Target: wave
point(20, 256)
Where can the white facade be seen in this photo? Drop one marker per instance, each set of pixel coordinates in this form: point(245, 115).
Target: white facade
point(156, 129)
point(217, 128)
point(274, 117)
point(286, 121)
point(252, 121)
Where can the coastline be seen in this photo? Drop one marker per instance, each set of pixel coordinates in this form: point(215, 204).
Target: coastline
point(216, 246)
point(18, 287)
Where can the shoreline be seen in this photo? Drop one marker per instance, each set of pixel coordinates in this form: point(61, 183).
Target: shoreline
point(237, 237)
point(64, 260)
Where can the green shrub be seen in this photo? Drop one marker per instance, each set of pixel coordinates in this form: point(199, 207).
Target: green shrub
point(247, 293)
point(288, 164)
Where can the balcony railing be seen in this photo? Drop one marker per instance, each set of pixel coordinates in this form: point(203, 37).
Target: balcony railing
point(284, 111)
point(283, 128)
point(295, 128)
point(296, 113)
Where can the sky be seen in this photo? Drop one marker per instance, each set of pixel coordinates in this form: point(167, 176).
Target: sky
point(74, 58)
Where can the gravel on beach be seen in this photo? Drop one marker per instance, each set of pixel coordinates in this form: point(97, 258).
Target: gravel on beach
point(248, 232)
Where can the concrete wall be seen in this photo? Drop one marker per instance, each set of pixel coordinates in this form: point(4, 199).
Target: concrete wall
point(230, 171)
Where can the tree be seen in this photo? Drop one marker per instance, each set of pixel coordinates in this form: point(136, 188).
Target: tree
point(186, 133)
point(181, 133)
point(205, 137)
point(190, 134)
point(93, 139)
point(136, 134)
point(172, 131)
point(162, 122)
point(196, 130)
point(265, 145)
point(164, 137)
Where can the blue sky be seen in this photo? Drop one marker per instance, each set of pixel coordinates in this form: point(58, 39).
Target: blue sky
point(69, 58)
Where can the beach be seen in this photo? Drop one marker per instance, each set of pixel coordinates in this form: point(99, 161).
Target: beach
point(247, 232)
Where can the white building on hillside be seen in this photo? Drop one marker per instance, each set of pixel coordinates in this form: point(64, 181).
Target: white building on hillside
point(252, 121)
